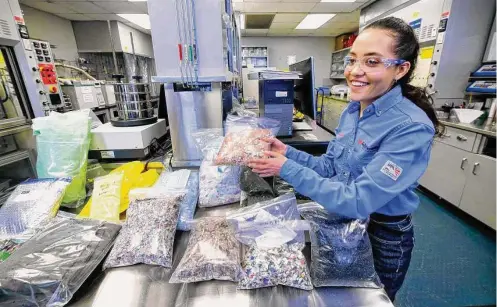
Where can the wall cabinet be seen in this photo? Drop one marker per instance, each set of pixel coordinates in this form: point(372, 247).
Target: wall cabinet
point(465, 179)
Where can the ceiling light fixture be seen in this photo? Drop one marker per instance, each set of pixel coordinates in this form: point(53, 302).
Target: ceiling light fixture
point(242, 21)
point(314, 21)
point(141, 20)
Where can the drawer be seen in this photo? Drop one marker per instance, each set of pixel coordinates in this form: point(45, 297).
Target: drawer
point(458, 138)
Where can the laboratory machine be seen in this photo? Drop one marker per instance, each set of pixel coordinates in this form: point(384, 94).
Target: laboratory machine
point(276, 102)
point(195, 58)
point(85, 94)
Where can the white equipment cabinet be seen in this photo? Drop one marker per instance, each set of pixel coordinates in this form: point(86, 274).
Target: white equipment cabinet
point(460, 175)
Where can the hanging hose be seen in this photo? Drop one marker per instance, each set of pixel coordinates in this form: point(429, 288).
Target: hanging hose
point(76, 69)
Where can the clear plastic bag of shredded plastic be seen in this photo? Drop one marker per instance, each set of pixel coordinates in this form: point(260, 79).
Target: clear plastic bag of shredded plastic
point(181, 180)
point(279, 214)
point(62, 142)
point(31, 205)
point(239, 110)
point(274, 234)
point(341, 254)
point(218, 185)
point(51, 266)
point(212, 252)
point(241, 123)
point(254, 188)
point(147, 236)
point(244, 139)
point(106, 197)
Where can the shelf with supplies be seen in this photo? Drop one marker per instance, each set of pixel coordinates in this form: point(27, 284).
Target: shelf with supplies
point(337, 66)
point(256, 56)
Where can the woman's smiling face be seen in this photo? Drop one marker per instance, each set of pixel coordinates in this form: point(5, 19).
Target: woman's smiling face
point(368, 82)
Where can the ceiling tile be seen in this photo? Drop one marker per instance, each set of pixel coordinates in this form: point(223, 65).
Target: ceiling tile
point(119, 7)
point(293, 1)
point(301, 7)
point(302, 32)
point(103, 16)
point(256, 32)
point(289, 17)
point(325, 7)
point(279, 32)
point(284, 25)
point(346, 17)
point(79, 17)
point(104, 0)
point(142, 6)
point(255, 7)
point(82, 7)
point(50, 7)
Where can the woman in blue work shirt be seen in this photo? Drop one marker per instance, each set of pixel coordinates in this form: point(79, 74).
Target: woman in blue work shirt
point(382, 148)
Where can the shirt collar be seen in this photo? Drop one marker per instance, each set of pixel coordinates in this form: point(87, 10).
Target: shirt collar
point(381, 104)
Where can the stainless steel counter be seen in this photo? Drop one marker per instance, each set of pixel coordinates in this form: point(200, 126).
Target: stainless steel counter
point(481, 129)
point(148, 286)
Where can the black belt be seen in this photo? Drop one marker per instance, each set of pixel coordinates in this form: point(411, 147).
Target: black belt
point(387, 218)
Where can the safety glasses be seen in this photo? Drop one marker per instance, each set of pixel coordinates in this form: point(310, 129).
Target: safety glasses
point(370, 63)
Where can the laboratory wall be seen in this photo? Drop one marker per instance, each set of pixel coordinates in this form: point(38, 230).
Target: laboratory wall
point(58, 31)
point(490, 52)
point(279, 48)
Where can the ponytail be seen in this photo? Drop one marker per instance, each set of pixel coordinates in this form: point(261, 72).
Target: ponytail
point(407, 48)
point(419, 97)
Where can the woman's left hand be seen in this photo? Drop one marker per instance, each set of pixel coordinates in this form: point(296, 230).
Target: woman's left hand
point(269, 166)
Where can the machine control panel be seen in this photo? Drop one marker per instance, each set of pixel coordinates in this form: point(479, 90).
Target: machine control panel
point(46, 77)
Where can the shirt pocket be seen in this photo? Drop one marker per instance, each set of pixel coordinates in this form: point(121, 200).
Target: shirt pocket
point(361, 156)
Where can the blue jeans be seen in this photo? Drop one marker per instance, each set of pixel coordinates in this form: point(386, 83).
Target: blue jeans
point(392, 240)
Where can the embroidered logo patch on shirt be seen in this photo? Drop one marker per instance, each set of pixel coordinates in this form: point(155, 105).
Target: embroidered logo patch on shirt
point(392, 170)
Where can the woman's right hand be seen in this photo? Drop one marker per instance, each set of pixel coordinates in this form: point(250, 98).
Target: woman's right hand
point(276, 145)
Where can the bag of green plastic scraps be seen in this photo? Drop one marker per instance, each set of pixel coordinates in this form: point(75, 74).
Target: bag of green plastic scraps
point(62, 142)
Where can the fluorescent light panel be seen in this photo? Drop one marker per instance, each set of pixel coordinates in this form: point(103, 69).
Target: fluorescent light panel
point(314, 21)
point(141, 20)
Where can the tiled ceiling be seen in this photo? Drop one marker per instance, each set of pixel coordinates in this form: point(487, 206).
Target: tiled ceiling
point(289, 13)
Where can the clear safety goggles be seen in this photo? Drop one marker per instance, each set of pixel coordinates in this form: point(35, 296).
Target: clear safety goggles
point(370, 63)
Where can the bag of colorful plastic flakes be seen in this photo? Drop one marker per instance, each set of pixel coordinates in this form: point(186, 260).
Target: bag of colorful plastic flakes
point(147, 236)
point(212, 252)
point(218, 185)
point(51, 266)
point(62, 142)
point(106, 197)
point(31, 206)
point(274, 237)
point(341, 254)
point(181, 180)
point(244, 139)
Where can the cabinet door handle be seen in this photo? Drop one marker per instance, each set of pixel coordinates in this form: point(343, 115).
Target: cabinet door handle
point(462, 162)
point(462, 138)
point(475, 167)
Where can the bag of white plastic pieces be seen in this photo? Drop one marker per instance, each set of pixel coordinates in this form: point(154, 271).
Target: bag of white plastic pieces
point(31, 205)
point(218, 185)
point(147, 236)
point(181, 180)
point(274, 237)
point(212, 252)
point(341, 254)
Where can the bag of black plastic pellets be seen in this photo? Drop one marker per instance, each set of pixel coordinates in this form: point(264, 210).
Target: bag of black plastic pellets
point(341, 254)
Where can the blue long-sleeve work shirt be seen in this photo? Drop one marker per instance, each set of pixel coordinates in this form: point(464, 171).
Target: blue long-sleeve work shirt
point(374, 162)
